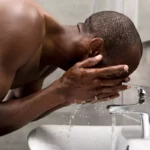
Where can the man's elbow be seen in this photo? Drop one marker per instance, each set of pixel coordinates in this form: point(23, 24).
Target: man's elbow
point(4, 130)
point(9, 125)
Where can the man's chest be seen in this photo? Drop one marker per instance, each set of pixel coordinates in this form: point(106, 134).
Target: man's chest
point(32, 71)
point(24, 78)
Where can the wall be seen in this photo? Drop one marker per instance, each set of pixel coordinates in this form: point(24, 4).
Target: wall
point(138, 11)
point(72, 12)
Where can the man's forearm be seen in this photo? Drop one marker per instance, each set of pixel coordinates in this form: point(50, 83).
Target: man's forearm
point(19, 112)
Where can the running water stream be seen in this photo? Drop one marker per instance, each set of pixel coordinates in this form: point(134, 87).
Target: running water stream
point(113, 133)
point(113, 145)
point(100, 110)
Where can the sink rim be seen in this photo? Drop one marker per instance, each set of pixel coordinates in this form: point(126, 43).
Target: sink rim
point(119, 130)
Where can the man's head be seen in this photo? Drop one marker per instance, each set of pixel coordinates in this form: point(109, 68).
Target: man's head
point(114, 36)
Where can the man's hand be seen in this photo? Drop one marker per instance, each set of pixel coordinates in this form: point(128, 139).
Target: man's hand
point(84, 83)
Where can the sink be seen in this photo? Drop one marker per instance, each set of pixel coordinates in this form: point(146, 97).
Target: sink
point(54, 137)
point(60, 137)
point(130, 139)
point(138, 144)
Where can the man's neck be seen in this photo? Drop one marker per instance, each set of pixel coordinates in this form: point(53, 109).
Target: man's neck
point(58, 45)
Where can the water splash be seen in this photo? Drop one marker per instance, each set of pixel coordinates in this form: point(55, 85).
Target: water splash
point(72, 116)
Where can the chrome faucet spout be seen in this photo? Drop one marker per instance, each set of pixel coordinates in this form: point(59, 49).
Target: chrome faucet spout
point(127, 109)
point(122, 108)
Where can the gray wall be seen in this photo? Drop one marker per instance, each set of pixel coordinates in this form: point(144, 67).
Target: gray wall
point(72, 12)
point(138, 11)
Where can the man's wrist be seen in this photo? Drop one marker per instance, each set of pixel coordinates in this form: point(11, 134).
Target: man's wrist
point(60, 92)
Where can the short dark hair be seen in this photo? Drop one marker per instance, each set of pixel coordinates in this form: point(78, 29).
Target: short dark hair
point(117, 31)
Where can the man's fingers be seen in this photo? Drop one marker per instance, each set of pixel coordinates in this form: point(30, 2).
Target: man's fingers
point(109, 72)
point(115, 89)
point(90, 62)
point(109, 82)
point(114, 96)
point(100, 98)
point(112, 89)
point(106, 98)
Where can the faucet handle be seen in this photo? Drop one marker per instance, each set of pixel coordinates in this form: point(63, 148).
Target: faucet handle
point(128, 107)
point(141, 93)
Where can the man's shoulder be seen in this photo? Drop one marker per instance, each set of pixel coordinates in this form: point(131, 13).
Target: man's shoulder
point(21, 30)
point(20, 12)
point(19, 18)
point(19, 8)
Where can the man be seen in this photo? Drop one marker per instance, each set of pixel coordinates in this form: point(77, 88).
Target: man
point(33, 45)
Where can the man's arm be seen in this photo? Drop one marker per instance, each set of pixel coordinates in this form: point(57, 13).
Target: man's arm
point(29, 89)
point(21, 34)
point(16, 113)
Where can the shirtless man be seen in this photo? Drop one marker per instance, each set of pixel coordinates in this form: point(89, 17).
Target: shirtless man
point(33, 44)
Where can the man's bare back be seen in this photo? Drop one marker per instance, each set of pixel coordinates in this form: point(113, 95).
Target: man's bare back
point(32, 46)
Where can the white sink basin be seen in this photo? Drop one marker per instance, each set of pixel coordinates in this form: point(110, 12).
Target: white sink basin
point(54, 137)
point(138, 144)
point(130, 139)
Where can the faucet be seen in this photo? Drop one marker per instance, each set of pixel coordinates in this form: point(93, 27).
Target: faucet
point(127, 109)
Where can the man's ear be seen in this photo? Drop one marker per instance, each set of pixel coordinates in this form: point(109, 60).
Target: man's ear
point(96, 47)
